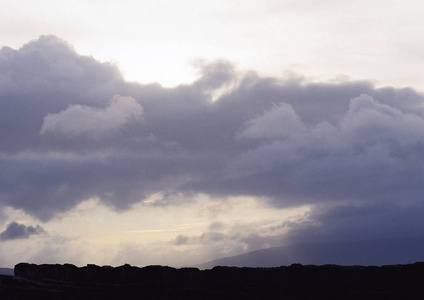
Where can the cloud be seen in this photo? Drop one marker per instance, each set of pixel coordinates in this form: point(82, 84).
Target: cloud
point(67, 136)
point(96, 123)
point(235, 237)
point(19, 231)
point(364, 156)
point(280, 122)
point(397, 224)
point(216, 75)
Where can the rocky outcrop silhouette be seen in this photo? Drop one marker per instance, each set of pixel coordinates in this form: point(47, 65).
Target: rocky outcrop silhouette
point(158, 282)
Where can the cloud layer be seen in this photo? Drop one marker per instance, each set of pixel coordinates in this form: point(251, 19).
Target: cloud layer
point(72, 129)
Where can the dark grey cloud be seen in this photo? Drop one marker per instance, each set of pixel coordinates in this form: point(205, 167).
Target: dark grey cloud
point(15, 231)
point(71, 128)
point(372, 221)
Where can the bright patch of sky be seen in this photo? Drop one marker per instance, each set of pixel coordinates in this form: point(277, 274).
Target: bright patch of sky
point(176, 235)
point(157, 41)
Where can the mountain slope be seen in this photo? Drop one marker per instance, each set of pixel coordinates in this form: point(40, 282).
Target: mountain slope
point(6, 271)
point(376, 252)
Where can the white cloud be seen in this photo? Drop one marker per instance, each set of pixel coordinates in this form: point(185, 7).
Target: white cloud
point(280, 122)
point(79, 120)
point(369, 122)
point(368, 126)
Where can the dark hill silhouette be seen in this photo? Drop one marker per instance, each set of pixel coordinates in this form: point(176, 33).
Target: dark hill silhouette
point(156, 282)
point(376, 252)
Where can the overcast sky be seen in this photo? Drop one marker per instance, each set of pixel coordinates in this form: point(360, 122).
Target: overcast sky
point(177, 132)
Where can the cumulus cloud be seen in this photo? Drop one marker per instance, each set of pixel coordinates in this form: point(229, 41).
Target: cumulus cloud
point(84, 120)
point(287, 142)
point(364, 155)
point(376, 123)
point(20, 231)
point(280, 122)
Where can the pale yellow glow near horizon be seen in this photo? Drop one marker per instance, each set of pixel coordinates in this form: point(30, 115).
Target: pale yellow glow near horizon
point(94, 233)
point(146, 223)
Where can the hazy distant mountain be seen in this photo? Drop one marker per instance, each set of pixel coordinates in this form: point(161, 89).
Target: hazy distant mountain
point(376, 252)
point(6, 271)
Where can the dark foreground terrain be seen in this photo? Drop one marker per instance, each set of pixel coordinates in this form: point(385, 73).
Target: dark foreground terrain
point(157, 282)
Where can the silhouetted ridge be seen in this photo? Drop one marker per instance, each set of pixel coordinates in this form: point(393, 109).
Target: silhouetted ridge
point(126, 274)
point(286, 282)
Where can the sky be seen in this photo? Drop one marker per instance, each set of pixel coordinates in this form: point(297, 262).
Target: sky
point(178, 132)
